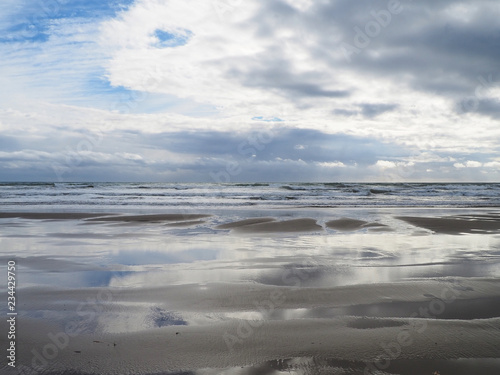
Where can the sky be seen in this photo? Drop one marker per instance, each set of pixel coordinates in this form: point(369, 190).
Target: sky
point(244, 90)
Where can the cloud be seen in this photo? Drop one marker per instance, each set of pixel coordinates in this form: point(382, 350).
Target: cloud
point(276, 142)
point(334, 164)
point(489, 107)
point(372, 110)
point(492, 164)
point(367, 110)
point(469, 164)
point(187, 88)
point(385, 164)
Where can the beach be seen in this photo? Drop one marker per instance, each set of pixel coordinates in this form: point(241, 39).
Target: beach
point(228, 187)
point(256, 291)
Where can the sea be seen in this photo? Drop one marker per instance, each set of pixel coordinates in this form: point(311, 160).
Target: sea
point(88, 196)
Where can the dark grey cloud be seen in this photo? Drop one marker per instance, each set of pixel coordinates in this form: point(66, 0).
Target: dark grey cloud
point(428, 45)
point(345, 112)
point(487, 107)
point(427, 48)
point(367, 110)
point(372, 110)
point(308, 90)
point(271, 154)
point(271, 72)
point(283, 143)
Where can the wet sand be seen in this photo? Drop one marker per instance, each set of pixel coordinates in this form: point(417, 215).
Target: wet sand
point(448, 225)
point(457, 224)
point(346, 224)
point(284, 226)
point(149, 218)
point(206, 293)
point(48, 215)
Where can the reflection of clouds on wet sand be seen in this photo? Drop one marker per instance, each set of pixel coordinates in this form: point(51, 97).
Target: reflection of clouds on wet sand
point(151, 255)
point(349, 276)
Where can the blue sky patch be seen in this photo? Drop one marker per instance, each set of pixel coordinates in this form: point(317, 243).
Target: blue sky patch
point(31, 20)
point(166, 39)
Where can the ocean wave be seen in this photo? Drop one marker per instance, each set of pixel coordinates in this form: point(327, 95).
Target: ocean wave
point(257, 184)
point(265, 195)
point(298, 188)
point(379, 191)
